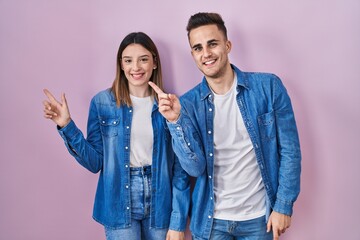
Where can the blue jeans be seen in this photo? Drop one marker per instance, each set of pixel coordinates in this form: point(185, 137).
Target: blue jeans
point(254, 229)
point(140, 183)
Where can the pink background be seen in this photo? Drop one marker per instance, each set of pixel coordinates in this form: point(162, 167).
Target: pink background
point(70, 46)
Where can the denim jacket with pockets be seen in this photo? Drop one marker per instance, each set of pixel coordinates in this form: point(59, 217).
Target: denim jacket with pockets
point(107, 149)
point(268, 116)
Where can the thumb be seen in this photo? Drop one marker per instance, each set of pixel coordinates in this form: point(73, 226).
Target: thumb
point(63, 100)
point(173, 97)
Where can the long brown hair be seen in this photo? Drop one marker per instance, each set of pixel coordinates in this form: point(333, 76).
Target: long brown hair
point(120, 86)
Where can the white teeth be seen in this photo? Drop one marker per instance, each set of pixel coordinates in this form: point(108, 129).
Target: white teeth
point(209, 62)
point(137, 75)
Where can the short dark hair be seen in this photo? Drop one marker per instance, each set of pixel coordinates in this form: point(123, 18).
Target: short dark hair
point(206, 18)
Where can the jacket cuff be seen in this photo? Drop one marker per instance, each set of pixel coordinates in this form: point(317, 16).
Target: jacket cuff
point(175, 126)
point(284, 207)
point(177, 223)
point(69, 131)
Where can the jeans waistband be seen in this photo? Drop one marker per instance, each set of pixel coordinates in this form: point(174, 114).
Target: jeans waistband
point(144, 170)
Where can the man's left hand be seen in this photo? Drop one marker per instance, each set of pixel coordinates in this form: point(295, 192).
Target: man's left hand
point(175, 235)
point(278, 222)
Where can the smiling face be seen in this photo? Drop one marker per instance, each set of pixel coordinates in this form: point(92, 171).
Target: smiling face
point(210, 50)
point(138, 65)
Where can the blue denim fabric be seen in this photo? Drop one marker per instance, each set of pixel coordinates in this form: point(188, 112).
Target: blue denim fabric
point(254, 229)
point(140, 187)
point(140, 179)
point(140, 230)
point(107, 149)
point(268, 116)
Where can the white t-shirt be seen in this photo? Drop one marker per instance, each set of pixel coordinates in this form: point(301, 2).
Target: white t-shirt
point(141, 136)
point(238, 187)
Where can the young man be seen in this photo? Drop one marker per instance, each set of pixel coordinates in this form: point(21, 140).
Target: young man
point(236, 133)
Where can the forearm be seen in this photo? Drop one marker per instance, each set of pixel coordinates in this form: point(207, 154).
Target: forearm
point(80, 148)
point(186, 145)
point(180, 198)
point(289, 152)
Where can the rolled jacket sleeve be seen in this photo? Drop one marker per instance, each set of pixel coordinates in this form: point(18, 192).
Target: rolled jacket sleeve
point(187, 145)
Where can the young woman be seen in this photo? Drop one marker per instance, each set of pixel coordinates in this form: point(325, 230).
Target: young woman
point(142, 193)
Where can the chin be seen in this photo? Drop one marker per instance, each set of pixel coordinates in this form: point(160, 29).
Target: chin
point(212, 74)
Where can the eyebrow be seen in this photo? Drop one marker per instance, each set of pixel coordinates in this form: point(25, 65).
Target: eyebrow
point(212, 41)
point(145, 55)
point(196, 45)
point(208, 42)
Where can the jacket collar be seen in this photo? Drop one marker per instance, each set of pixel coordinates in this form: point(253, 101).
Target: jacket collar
point(242, 81)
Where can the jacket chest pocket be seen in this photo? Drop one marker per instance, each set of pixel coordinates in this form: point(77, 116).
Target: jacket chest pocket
point(267, 126)
point(109, 126)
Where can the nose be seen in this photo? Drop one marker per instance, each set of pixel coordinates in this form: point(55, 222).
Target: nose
point(207, 52)
point(136, 65)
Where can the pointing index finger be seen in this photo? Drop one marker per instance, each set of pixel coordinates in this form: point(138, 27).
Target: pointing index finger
point(49, 95)
point(156, 88)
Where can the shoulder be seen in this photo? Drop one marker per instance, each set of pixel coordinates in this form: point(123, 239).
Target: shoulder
point(104, 96)
point(260, 77)
point(262, 80)
point(262, 84)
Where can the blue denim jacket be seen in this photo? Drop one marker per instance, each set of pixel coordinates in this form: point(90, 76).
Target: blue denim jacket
point(107, 149)
point(268, 116)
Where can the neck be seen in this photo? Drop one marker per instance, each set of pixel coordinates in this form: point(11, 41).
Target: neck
point(140, 92)
point(222, 84)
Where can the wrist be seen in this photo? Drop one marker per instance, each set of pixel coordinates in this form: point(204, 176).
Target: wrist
point(175, 119)
point(64, 124)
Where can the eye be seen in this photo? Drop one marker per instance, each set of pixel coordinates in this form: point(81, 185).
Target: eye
point(213, 44)
point(144, 60)
point(197, 49)
point(127, 61)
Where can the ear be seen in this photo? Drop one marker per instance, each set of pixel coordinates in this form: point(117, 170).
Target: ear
point(228, 46)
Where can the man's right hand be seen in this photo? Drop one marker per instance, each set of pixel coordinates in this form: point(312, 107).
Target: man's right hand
point(169, 104)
